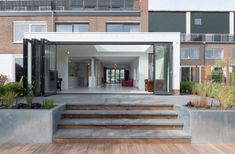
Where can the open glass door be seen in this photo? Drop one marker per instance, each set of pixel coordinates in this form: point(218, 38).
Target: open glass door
point(49, 68)
point(27, 64)
point(163, 68)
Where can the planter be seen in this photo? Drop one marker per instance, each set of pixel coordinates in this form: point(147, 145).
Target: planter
point(208, 126)
point(29, 125)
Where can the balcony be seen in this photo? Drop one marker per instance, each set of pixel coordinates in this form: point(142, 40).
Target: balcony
point(211, 38)
point(69, 5)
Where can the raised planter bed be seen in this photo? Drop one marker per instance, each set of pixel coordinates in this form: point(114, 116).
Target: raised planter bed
point(208, 125)
point(29, 125)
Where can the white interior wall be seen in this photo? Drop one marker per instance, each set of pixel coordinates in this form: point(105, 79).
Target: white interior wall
point(62, 68)
point(134, 72)
point(143, 70)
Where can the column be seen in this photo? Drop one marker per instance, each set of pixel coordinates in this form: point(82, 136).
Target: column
point(92, 78)
point(188, 22)
point(231, 23)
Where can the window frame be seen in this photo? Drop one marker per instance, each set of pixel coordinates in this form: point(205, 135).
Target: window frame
point(29, 23)
point(72, 24)
point(123, 24)
point(184, 58)
point(213, 57)
point(233, 53)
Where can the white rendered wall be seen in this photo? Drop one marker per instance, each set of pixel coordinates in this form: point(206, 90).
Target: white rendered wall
point(7, 66)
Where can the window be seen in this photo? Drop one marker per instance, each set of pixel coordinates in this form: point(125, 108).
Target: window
point(22, 27)
point(214, 53)
point(198, 21)
point(233, 54)
point(190, 53)
point(125, 27)
point(70, 27)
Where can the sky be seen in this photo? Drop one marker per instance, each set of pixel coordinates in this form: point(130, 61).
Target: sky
point(192, 5)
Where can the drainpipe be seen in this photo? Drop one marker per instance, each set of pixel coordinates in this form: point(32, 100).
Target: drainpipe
point(52, 20)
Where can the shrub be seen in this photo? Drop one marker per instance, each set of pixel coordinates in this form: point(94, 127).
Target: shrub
point(48, 103)
point(15, 87)
point(186, 86)
point(1, 90)
point(9, 97)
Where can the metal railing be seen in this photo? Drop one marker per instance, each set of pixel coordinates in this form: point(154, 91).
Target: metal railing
point(220, 38)
point(60, 5)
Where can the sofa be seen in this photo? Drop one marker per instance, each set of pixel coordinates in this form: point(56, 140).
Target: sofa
point(127, 83)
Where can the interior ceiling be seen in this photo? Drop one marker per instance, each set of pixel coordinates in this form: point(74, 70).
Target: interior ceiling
point(116, 60)
point(105, 60)
point(108, 48)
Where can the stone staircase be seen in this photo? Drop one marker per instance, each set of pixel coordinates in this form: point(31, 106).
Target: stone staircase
point(120, 123)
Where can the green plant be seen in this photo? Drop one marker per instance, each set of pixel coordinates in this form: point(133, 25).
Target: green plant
point(14, 86)
point(9, 97)
point(186, 86)
point(1, 90)
point(29, 98)
point(48, 103)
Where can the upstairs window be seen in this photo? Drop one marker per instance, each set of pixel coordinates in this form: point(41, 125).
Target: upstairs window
point(22, 27)
point(123, 27)
point(190, 53)
point(72, 27)
point(214, 53)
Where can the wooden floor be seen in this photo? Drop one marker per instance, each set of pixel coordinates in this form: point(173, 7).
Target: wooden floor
point(117, 148)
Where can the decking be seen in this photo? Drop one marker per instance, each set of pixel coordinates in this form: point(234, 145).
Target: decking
point(108, 148)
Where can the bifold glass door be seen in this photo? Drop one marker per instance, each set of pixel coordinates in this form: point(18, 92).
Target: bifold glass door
point(40, 67)
point(163, 68)
point(49, 67)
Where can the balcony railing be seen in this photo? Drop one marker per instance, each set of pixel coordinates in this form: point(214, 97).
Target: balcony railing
point(217, 38)
point(61, 5)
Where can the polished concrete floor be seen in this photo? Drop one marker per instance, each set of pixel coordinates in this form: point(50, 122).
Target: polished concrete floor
point(105, 89)
point(118, 99)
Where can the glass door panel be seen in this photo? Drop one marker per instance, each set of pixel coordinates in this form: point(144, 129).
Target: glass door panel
point(163, 69)
point(27, 63)
point(49, 68)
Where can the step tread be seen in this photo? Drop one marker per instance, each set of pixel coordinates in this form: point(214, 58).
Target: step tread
point(110, 133)
point(122, 104)
point(122, 112)
point(120, 122)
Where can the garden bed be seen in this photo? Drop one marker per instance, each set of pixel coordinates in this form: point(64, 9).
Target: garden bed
point(214, 126)
point(29, 126)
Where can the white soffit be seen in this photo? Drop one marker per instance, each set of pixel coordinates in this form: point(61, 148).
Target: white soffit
point(191, 5)
point(122, 48)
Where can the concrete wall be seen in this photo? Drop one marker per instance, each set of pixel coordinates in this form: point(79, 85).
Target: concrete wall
point(28, 126)
point(208, 126)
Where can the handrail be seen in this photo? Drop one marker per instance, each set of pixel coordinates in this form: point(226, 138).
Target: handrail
point(200, 37)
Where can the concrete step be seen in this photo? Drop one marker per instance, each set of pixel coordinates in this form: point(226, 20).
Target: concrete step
point(120, 136)
point(119, 107)
point(119, 114)
point(147, 124)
